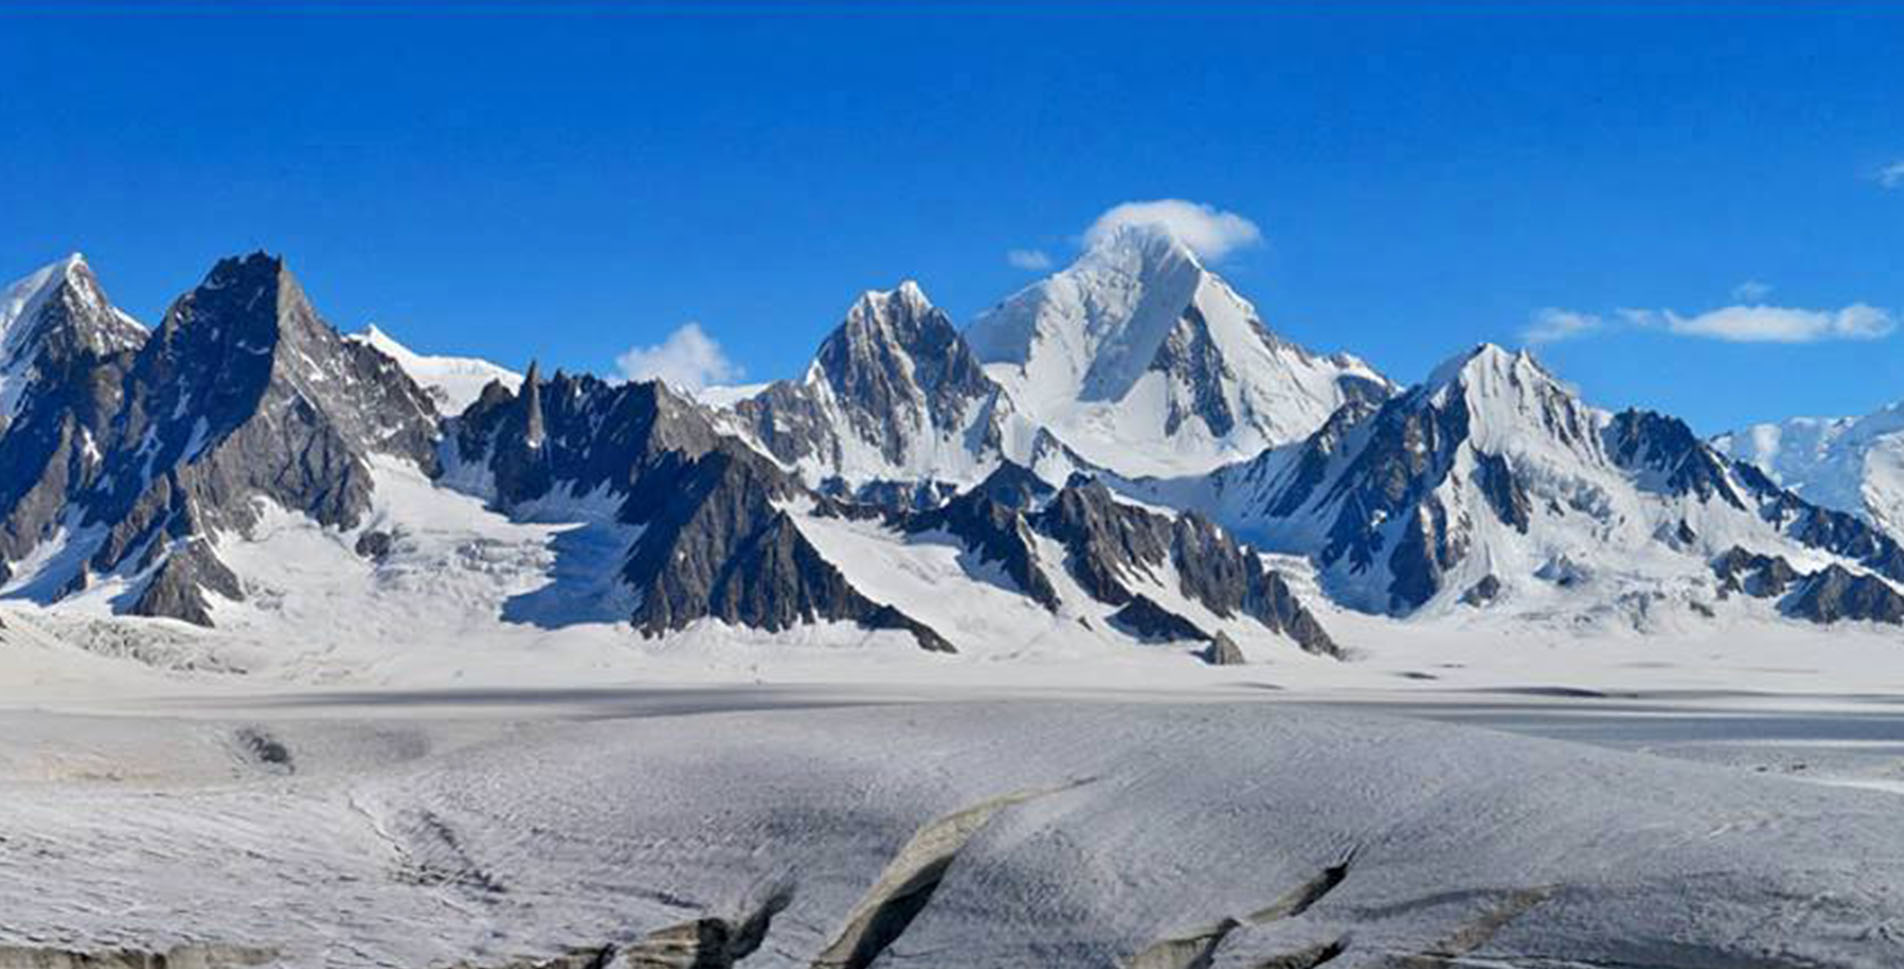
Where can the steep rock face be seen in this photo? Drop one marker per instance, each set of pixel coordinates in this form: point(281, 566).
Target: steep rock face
point(1836, 593)
point(1756, 575)
point(990, 520)
point(893, 395)
point(576, 433)
point(64, 353)
point(715, 539)
point(1146, 363)
point(243, 394)
point(1109, 544)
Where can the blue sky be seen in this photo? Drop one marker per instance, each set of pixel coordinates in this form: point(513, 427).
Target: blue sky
point(571, 181)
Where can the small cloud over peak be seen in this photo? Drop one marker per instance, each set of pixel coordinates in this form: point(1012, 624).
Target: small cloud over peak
point(1033, 260)
point(1209, 232)
point(687, 360)
point(1892, 175)
point(1751, 291)
point(1553, 324)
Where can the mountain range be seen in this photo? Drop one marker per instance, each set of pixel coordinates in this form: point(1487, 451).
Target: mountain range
point(1122, 455)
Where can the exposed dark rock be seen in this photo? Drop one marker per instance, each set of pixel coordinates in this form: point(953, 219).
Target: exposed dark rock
point(1189, 353)
point(1837, 593)
point(715, 543)
point(374, 544)
point(71, 356)
point(177, 589)
point(1223, 651)
point(1676, 459)
point(242, 394)
point(895, 372)
point(1015, 486)
point(1759, 576)
point(699, 944)
point(1109, 544)
point(1143, 618)
point(1317, 451)
point(1482, 592)
point(1410, 448)
point(997, 533)
point(897, 495)
point(1503, 491)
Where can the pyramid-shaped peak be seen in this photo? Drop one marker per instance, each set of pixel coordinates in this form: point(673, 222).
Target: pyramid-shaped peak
point(63, 295)
point(1141, 248)
point(1486, 365)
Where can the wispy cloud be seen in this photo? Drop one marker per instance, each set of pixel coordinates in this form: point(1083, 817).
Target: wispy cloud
point(1892, 175)
point(1746, 321)
point(1553, 324)
point(1035, 260)
point(688, 360)
point(1772, 324)
point(1210, 232)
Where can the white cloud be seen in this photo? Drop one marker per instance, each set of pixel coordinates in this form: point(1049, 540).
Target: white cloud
point(1036, 260)
point(1892, 175)
point(1751, 291)
point(1553, 324)
point(1209, 232)
point(688, 359)
point(1772, 324)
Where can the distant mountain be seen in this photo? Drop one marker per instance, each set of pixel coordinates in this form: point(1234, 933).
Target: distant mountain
point(1492, 486)
point(1853, 464)
point(1145, 362)
point(453, 383)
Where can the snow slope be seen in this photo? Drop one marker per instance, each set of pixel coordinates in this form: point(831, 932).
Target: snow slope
point(454, 382)
point(1145, 362)
point(1853, 464)
point(1051, 834)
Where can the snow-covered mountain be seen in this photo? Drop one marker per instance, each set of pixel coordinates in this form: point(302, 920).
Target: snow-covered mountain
point(452, 382)
point(1491, 485)
point(718, 532)
point(65, 351)
point(1145, 362)
point(1853, 464)
point(243, 400)
point(246, 464)
point(51, 319)
point(894, 397)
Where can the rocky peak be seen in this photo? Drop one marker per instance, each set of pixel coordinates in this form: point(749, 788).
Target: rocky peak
point(894, 393)
point(534, 429)
point(896, 352)
point(1514, 403)
point(1667, 456)
point(243, 394)
point(53, 320)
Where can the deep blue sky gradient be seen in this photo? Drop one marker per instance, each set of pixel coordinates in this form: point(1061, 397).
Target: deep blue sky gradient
point(565, 181)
